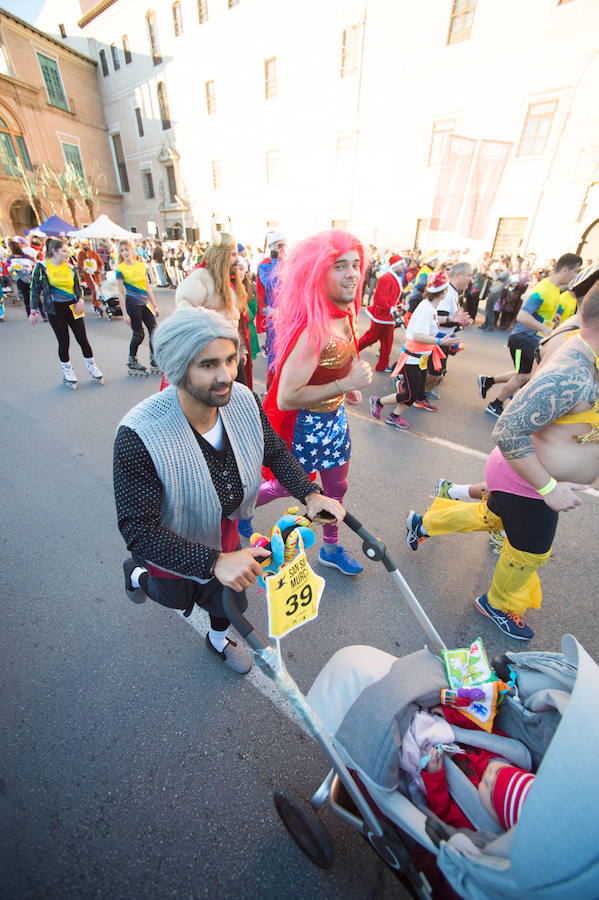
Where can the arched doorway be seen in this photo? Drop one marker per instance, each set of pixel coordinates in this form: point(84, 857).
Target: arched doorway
point(588, 247)
point(22, 216)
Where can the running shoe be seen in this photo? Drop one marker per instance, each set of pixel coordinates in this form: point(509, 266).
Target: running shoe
point(442, 489)
point(495, 408)
point(511, 624)
point(397, 421)
point(432, 395)
point(414, 531)
point(341, 560)
point(484, 384)
point(376, 407)
point(388, 370)
point(424, 404)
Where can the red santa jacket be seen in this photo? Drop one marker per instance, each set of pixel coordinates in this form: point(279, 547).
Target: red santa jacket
point(386, 295)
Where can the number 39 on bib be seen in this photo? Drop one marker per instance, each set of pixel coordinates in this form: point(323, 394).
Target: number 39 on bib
point(293, 595)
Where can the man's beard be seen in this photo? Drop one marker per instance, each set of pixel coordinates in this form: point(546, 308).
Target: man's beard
point(206, 396)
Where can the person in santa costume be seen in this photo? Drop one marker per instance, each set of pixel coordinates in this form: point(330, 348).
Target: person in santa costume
point(386, 298)
point(317, 368)
point(421, 343)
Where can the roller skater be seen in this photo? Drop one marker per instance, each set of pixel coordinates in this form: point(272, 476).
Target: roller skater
point(137, 304)
point(154, 368)
point(56, 290)
point(136, 368)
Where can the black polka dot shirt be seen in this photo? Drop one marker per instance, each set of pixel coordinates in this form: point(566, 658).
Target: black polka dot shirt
point(138, 495)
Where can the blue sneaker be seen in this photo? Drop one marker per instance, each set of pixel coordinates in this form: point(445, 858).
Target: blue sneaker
point(245, 528)
point(415, 533)
point(510, 623)
point(340, 560)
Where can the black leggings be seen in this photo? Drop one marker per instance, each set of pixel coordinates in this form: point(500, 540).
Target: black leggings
point(413, 385)
point(184, 594)
point(24, 288)
point(140, 316)
point(61, 321)
point(530, 524)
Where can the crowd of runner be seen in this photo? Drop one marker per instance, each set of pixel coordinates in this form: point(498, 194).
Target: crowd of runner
point(303, 304)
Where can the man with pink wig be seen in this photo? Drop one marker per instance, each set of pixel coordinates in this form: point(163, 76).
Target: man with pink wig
point(317, 368)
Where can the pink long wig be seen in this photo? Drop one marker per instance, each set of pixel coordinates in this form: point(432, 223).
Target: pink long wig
point(301, 301)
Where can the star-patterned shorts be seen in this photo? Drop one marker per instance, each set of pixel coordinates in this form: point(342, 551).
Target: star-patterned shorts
point(321, 439)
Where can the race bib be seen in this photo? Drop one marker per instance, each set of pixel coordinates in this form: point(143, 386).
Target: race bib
point(76, 315)
point(293, 595)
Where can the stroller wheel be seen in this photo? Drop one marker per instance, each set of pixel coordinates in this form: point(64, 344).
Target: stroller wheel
point(306, 829)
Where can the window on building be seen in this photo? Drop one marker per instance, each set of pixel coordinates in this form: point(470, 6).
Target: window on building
point(217, 175)
point(116, 63)
point(120, 163)
point(172, 183)
point(460, 21)
point(272, 225)
point(202, 11)
point(232, 3)
point(53, 81)
point(9, 139)
point(62, 29)
point(509, 236)
point(441, 128)
point(177, 19)
point(72, 155)
point(153, 36)
point(139, 121)
point(165, 115)
point(5, 68)
point(350, 45)
point(210, 98)
point(535, 134)
point(22, 147)
point(8, 155)
point(103, 63)
point(148, 185)
point(339, 223)
point(270, 77)
point(273, 167)
point(419, 237)
point(127, 50)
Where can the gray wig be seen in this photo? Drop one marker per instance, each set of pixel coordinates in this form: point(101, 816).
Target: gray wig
point(185, 334)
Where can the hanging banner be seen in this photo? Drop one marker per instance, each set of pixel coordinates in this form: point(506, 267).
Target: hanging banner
point(491, 160)
point(453, 177)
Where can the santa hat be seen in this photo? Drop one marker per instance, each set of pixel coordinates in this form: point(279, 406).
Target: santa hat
point(396, 258)
point(438, 281)
point(509, 794)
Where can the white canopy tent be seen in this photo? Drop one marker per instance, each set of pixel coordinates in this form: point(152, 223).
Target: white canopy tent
point(105, 228)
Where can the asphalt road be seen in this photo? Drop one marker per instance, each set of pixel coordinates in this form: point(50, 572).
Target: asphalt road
point(134, 764)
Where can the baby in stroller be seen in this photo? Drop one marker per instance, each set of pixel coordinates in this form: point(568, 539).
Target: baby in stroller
point(502, 787)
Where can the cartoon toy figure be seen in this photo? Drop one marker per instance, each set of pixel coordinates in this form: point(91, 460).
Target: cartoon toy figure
point(290, 532)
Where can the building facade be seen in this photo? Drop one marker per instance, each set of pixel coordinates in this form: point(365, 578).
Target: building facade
point(345, 112)
point(50, 114)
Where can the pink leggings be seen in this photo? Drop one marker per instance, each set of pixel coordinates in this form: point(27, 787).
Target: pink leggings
point(334, 484)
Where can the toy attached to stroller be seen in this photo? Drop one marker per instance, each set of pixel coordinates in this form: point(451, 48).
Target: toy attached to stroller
point(360, 709)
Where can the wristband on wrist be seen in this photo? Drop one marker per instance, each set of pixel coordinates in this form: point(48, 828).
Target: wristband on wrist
point(439, 342)
point(341, 391)
point(548, 487)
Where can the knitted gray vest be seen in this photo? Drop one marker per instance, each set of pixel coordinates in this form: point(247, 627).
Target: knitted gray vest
point(190, 504)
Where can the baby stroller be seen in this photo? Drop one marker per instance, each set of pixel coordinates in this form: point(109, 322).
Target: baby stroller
point(109, 297)
point(360, 706)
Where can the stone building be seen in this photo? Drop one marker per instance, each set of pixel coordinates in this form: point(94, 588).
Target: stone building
point(447, 123)
point(50, 113)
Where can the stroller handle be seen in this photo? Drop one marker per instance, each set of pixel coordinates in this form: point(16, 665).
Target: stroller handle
point(372, 547)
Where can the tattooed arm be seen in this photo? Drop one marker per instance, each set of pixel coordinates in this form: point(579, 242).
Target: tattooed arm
point(567, 381)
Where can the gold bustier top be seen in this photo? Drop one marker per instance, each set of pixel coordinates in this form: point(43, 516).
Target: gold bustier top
point(335, 362)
